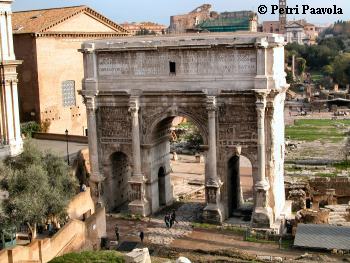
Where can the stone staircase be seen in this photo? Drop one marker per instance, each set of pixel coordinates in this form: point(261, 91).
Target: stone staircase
point(338, 215)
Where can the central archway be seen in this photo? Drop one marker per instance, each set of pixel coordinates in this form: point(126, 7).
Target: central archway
point(175, 173)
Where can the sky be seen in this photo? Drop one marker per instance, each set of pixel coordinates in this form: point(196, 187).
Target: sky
point(160, 10)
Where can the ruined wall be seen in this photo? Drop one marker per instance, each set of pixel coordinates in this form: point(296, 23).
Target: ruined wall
point(341, 186)
point(181, 23)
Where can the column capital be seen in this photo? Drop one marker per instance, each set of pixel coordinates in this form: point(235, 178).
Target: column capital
point(90, 103)
point(134, 104)
point(260, 96)
point(211, 103)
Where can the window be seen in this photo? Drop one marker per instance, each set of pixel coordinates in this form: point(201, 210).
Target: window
point(68, 93)
point(172, 67)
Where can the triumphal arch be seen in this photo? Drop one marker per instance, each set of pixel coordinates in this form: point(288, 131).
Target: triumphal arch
point(232, 86)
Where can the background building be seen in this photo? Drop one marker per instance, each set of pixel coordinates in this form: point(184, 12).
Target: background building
point(203, 20)
point(47, 41)
point(301, 32)
point(149, 27)
point(10, 132)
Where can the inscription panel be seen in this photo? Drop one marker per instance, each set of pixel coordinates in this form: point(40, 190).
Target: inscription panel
point(196, 62)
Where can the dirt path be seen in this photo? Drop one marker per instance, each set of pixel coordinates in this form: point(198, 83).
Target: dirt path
point(183, 236)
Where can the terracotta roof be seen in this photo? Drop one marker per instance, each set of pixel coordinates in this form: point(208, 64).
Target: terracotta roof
point(39, 21)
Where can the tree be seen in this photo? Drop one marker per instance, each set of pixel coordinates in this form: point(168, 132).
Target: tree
point(301, 65)
point(341, 69)
point(39, 187)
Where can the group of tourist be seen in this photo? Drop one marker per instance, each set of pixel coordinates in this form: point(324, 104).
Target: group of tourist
point(170, 219)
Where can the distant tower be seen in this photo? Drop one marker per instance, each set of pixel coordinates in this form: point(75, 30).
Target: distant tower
point(10, 131)
point(282, 17)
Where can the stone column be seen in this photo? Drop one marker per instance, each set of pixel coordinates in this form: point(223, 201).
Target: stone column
point(262, 216)
point(212, 212)
point(91, 108)
point(136, 150)
point(96, 177)
point(139, 204)
point(212, 169)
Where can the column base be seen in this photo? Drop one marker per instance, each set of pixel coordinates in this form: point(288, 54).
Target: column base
point(16, 147)
point(140, 207)
point(262, 217)
point(212, 214)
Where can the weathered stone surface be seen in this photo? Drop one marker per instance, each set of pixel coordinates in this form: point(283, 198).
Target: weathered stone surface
point(232, 86)
point(138, 256)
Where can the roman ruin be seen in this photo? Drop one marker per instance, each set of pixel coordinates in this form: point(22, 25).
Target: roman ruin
point(232, 86)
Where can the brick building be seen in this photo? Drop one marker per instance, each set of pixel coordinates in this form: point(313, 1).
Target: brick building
point(136, 28)
point(47, 41)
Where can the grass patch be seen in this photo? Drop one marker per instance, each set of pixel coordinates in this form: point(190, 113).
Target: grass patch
point(129, 216)
point(237, 230)
point(234, 229)
point(255, 240)
point(90, 257)
point(342, 165)
point(326, 174)
point(204, 225)
point(324, 130)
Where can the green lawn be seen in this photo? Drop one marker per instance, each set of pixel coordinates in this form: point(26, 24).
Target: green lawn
point(90, 257)
point(311, 130)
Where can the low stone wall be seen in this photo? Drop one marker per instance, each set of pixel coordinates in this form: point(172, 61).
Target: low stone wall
point(60, 137)
point(340, 184)
point(74, 236)
point(81, 206)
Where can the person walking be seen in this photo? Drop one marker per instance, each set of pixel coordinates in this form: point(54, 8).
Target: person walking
point(172, 218)
point(142, 235)
point(167, 220)
point(116, 230)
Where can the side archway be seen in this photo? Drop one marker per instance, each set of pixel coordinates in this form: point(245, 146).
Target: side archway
point(116, 184)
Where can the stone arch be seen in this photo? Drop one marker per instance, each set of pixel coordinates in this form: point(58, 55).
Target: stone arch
point(116, 187)
point(171, 113)
point(236, 200)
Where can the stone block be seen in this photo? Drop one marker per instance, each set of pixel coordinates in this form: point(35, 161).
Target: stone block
point(138, 255)
point(183, 260)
